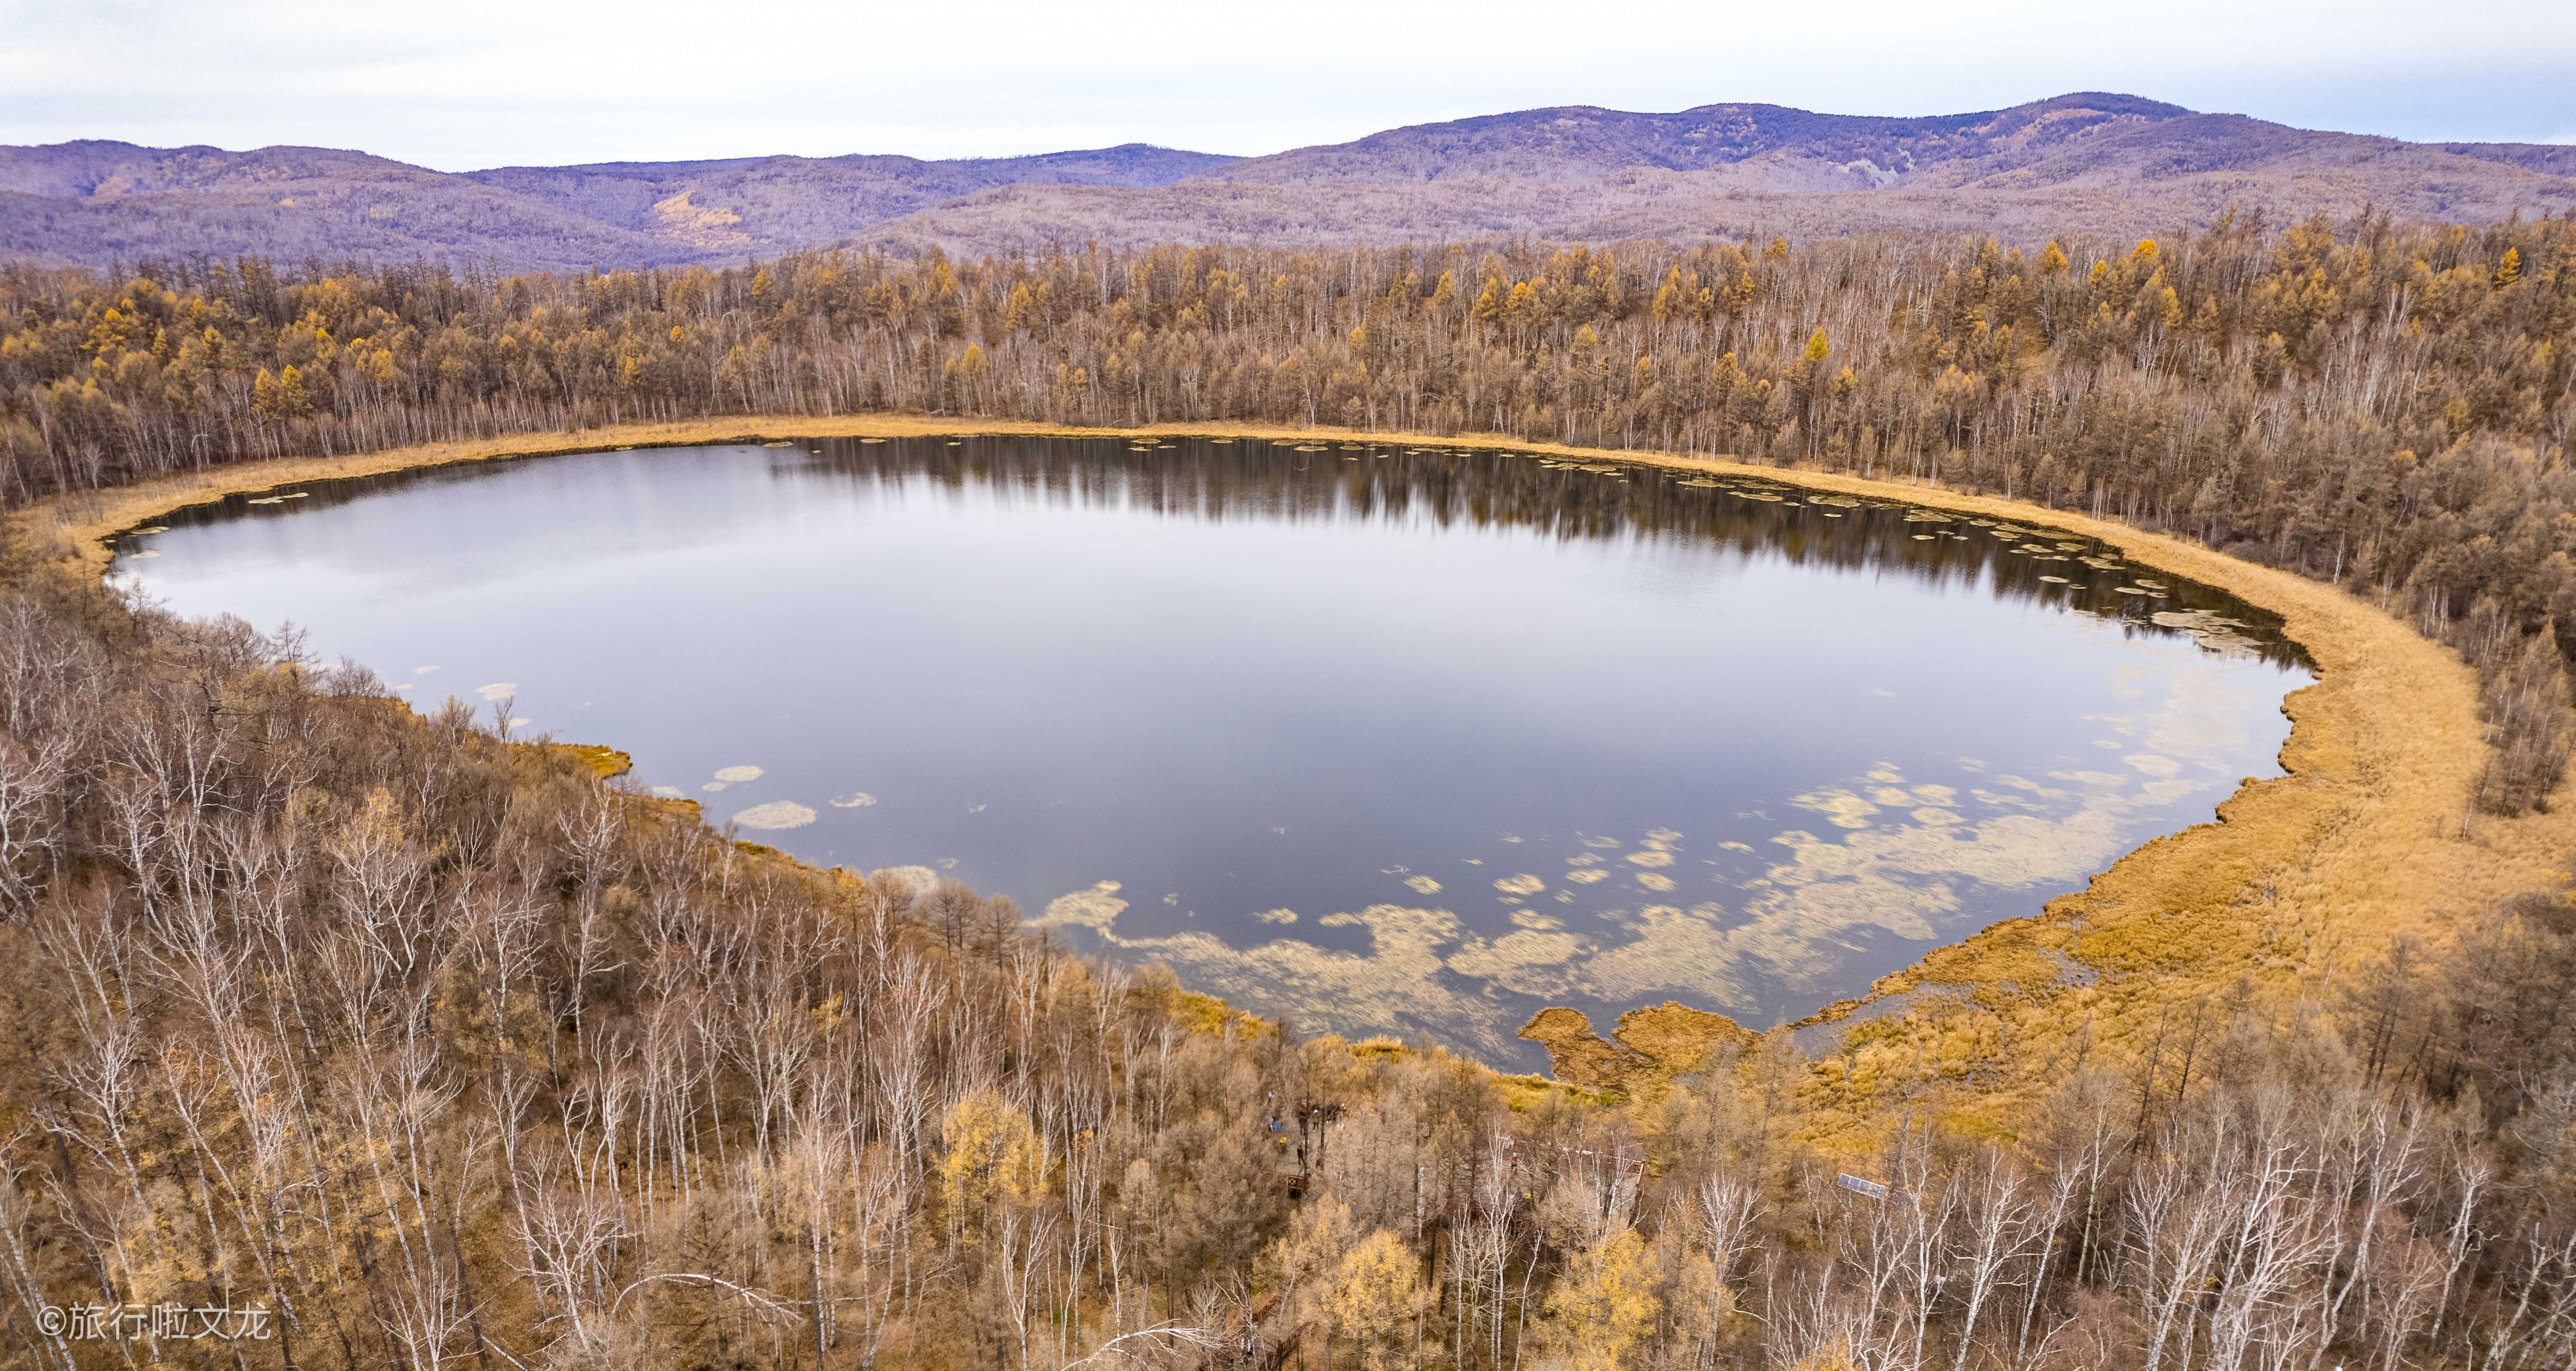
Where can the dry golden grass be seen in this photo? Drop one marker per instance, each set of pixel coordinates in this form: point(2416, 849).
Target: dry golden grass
point(1649, 1048)
point(604, 762)
point(1676, 1037)
point(74, 525)
point(1578, 1053)
point(2301, 878)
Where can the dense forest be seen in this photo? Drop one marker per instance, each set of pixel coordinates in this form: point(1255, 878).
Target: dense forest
point(438, 1049)
point(2384, 407)
point(435, 1049)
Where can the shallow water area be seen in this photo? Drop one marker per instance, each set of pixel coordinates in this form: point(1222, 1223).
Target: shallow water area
point(1415, 743)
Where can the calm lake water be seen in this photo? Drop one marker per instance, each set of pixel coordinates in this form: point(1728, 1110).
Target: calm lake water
point(1389, 741)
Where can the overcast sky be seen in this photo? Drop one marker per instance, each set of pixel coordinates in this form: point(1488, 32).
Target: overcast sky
point(457, 84)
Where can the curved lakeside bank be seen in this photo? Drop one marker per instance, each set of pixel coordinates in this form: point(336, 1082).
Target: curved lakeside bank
point(2304, 875)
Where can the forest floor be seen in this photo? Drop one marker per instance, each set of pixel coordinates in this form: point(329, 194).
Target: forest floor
point(2301, 879)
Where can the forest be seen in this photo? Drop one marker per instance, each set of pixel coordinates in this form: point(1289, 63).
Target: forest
point(2384, 407)
point(436, 1047)
point(432, 1048)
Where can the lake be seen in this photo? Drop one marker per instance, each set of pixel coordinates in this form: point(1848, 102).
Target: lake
point(1386, 740)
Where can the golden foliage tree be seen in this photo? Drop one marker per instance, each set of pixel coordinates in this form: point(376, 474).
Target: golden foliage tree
point(1377, 1300)
point(1605, 1302)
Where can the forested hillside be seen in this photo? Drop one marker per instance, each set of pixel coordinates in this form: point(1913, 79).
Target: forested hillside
point(2094, 163)
point(2087, 163)
point(99, 201)
point(433, 1050)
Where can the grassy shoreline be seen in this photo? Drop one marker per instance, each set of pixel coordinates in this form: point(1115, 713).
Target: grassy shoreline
point(2299, 878)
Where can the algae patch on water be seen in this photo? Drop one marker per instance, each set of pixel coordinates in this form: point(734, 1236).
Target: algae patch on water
point(1401, 985)
point(1841, 808)
point(1095, 908)
point(1581, 916)
point(777, 814)
point(2214, 632)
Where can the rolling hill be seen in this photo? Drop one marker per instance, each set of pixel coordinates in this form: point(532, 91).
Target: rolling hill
point(97, 202)
point(2088, 163)
point(2092, 163)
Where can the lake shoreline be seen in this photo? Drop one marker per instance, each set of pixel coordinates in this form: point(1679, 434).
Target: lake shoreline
point(2366, 836)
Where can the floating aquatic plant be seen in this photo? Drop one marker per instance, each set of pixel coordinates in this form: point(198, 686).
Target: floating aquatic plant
point(1096, 908)
point(777, 814)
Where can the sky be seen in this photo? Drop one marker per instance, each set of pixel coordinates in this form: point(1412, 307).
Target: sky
point(461, 84)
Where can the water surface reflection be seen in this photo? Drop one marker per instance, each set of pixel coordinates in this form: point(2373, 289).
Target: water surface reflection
point(1385, 739)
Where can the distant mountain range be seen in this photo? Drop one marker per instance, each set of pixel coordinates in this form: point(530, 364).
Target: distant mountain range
point(2087, 163)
